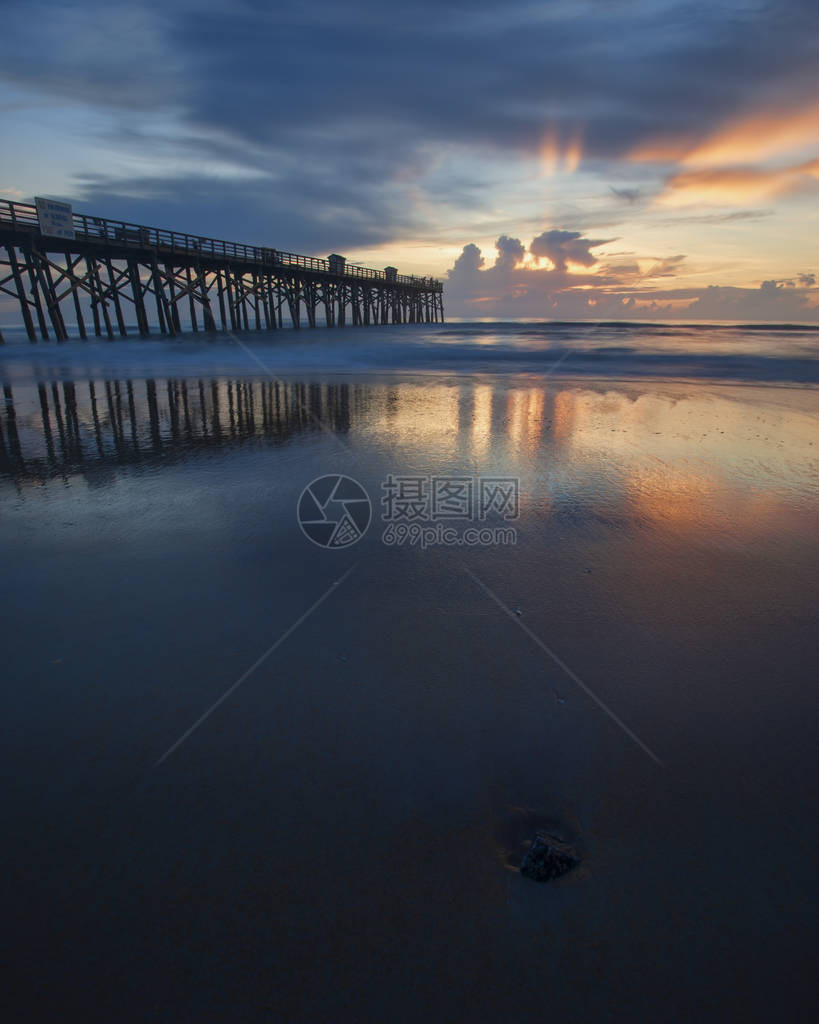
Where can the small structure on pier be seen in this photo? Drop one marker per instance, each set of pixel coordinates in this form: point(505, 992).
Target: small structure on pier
point(60, 265)
point(336, 263)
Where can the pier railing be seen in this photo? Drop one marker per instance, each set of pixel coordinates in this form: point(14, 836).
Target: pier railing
point(23, 217)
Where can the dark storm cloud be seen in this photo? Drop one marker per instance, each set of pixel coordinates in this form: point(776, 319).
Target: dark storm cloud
point(480, 75)
point(454, 70)
point(357, 92)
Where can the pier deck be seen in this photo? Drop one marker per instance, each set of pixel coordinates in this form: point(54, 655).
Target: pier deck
point(114, 277)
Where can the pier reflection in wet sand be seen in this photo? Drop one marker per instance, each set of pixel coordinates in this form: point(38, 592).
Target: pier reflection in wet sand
point(79, 425)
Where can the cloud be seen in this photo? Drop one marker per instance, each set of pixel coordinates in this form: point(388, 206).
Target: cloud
point(510, 252)
point(771, 301)
point(800, 281)
point(298, 211)
point(739, 185)
point(511, 287)
point(714, 218)
point(563, 247)
point(628, 195)
point(756, 136)
point(467, 265)
point(531, 71)
point(753, 136)
point(667, 267)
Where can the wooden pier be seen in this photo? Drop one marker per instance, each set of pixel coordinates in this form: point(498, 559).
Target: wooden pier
point(115, 278)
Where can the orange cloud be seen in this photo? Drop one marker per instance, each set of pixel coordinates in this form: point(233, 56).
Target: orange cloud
point(757, 137)
point(751, 138)
point(737, 185)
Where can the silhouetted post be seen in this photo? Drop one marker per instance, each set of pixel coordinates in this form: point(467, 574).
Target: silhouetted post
point(257, 318)
point(191, 303)
point(159, 295)
point(231, 301)
point(102, 300)
point(139, 298)
point(21, 295)
point(36, 285)
point(207, 312)
point(95, 313)
point(172, 302)
point(221, 296)
point(114, 289)
point(71, 269)
point(244, 298)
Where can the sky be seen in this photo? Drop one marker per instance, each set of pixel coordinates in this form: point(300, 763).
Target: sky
point(562, 159)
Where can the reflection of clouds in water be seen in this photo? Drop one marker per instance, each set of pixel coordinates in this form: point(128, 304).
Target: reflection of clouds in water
point(413, 416)
point(661, 453)
point(671, 496)
point(747, 453)
point(739, 424)
point(481, 419)
point(674, 497)
point(525, 411)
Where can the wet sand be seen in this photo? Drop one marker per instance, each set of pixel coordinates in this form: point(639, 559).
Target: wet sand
point(337, 840)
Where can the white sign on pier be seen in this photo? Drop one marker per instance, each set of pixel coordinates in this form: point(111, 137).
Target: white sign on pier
point(56, 219)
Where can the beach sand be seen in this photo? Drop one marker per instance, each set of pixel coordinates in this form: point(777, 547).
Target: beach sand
point(334, 841)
